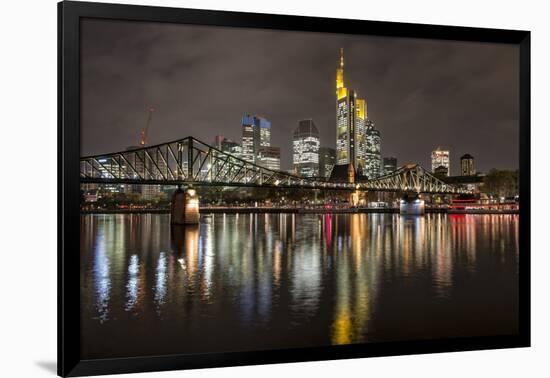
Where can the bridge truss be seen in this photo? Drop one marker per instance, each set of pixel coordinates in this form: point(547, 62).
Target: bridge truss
point(190, 161)
point(411, 178)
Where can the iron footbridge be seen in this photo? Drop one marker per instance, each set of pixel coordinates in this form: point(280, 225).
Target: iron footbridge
point(189, 161)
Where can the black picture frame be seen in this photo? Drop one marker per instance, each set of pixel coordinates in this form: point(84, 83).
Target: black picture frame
point(69, 16)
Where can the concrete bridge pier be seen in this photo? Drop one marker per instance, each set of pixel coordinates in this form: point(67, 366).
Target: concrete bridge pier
point(354, 198)
point(185, 206)
point(359, 197)
point(411, 204)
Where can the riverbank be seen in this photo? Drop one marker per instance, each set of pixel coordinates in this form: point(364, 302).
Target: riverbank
point(516, 211)
point(296, 210)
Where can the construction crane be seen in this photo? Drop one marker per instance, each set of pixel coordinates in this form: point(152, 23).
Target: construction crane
point(143, 138)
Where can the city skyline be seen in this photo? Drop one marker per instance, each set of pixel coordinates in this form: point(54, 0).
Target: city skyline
point(247, 189)
point(124, 116)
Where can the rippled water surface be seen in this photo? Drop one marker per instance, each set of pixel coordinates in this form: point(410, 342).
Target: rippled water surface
point(268, 281)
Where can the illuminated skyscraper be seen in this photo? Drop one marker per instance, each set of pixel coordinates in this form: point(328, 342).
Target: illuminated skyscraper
point(256, 133)
point(351, 118)
point(305, 147)
point(372, 151)
point(248, 125)
point(440, 158)
point(360, 135)
point(265, 132)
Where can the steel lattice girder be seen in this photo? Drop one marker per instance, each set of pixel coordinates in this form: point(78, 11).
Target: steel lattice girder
point(191, 161)
point(411, 178)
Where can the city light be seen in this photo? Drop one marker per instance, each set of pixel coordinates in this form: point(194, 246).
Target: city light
point(215, 230)
point(355, 164)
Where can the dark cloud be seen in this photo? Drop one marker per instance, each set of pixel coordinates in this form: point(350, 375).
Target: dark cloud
point(420, 93)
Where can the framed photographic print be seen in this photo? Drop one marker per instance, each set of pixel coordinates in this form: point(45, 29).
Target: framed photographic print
point(241, 188)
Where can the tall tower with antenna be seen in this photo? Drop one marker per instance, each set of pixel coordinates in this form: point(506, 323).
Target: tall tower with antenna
point(351, 113)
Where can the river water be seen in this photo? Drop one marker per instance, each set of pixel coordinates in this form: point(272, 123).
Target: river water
point(241, 282)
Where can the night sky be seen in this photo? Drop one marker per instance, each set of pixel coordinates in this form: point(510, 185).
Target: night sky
point(421, 94)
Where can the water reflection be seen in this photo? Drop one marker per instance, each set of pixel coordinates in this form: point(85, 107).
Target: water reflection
point(102, 279)
point(160, 281)
point(253, 281)
point(133, 283)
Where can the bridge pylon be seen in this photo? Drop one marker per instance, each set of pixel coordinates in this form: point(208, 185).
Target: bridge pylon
point(411, 204)
point(185, 206)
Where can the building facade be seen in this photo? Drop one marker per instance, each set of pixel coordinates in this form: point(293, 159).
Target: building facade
point(467, 167)
point(270, 157)
point(265, 132)
point(327, 160)
point(305, 149)
point(440, 158)
point(389, 165)
point(360, 135)
point(231, 147)
point(247, 144)
point(373, 160)
point(256, 133)
point(441, 172)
